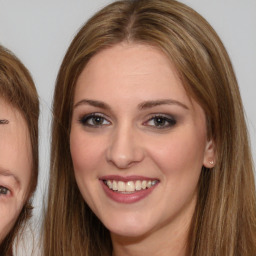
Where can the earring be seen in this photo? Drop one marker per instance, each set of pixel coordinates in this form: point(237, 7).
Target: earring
point(211, 162)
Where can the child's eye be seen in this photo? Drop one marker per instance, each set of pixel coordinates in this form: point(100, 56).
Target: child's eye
point(94, 120)
point(4, 191)
point(161, 121)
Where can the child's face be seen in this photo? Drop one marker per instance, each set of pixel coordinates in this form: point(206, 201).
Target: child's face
point(15, 165)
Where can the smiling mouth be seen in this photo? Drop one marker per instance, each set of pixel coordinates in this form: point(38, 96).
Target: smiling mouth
point(129, 187)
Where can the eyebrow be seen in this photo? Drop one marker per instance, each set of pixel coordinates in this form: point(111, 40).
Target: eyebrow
point(4, 121)
point(94, 103)
point(141, 106)
point(8, 173)
point(154, 103)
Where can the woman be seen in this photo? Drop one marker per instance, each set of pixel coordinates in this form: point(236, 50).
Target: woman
point(19, 111)
point(150, 151)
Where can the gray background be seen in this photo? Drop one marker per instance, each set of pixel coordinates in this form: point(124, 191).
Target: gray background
point(39, 32)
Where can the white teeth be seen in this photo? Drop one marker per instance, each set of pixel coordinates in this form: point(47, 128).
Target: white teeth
point(114, 185)
point(130, 186)
point(109, 183)
point(144, 184)
point(153, 183)
point(120, 186)
point(138, 185)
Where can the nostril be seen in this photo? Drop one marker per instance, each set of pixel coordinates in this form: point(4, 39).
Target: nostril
point(121, 161)
point(124, 160)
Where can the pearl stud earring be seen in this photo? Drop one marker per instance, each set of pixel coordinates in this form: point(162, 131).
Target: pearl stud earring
point(211, 162)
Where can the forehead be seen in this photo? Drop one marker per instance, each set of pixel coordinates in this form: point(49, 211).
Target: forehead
point(15, 145)
point(12, 114)
point(126, 68)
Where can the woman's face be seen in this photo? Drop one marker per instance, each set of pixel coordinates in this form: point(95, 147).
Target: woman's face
point(15, 165)
point(137, 141)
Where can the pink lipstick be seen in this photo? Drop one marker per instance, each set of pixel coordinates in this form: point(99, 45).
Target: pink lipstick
point(129, 189)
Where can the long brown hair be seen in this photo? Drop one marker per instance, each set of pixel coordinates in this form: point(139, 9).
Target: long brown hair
point(225, 216)
point(17, 88)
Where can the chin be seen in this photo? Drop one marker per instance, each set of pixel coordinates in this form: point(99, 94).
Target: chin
point(128, 229)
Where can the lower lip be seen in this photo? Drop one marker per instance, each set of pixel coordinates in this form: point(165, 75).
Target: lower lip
point(127, 198)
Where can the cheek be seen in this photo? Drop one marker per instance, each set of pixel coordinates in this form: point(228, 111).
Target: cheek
point(9, 211)
point(87, 157)
point(180, 154)
point(86, 152)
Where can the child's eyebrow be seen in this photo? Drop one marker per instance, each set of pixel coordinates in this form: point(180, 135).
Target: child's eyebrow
point(4, 121)
point(8, 173)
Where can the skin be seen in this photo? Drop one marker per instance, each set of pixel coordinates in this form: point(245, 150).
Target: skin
point(15, 165)
point(128, 142)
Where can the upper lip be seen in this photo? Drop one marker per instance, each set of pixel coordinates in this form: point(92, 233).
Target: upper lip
point(126, 178)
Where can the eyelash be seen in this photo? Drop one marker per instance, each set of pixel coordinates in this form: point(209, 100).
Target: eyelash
point(164, 121)
point(169, 121)
point(4, 191)
point(85, 120)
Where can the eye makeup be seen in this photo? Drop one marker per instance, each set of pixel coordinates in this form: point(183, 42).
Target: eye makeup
point(94, 120)
point(160, 121)
point(154, 115)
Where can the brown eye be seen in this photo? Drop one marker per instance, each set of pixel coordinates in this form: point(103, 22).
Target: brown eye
point(161, 121)
point(97, 120)
point(94, 120)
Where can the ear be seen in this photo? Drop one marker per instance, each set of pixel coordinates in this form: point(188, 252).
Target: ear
point(209, 155)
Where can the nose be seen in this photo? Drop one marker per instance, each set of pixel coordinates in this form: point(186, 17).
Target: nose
point(125, 148)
